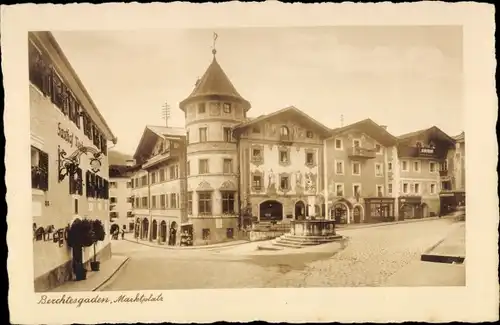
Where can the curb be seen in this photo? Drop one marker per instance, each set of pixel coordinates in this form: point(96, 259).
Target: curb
point(112, 274)
point(383, 224)
point(188, 247)
point(449, 259)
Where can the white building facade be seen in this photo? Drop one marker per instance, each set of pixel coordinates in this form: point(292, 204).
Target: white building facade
point(65, 124)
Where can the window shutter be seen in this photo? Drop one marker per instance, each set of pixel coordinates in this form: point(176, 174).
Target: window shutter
point(80, 181)
point(87, 183)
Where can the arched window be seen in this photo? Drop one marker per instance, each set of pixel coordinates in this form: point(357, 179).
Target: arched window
point(284, 131)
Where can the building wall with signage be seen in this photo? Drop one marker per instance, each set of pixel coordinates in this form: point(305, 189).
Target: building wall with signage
point(56, 207)
point(63, 118)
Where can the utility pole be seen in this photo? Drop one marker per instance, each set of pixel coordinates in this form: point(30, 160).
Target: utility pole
point(166, 113)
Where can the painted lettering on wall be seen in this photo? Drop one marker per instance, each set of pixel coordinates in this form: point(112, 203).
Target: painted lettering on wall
point(65, 134)
point(69, 137)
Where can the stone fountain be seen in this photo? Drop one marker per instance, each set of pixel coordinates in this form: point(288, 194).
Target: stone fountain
point(304, 233)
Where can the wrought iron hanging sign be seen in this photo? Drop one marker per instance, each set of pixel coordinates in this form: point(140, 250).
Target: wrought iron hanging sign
point(67, 165)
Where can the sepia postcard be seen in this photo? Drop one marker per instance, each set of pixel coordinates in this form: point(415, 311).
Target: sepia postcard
point(193, 163)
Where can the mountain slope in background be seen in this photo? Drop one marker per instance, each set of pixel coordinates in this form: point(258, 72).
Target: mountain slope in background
point(118, 158)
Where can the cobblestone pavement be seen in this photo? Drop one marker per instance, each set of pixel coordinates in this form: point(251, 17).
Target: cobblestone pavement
point(372, 255)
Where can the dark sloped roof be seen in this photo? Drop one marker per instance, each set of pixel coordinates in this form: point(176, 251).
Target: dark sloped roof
point(118, 171)
point(372, 129)
point(411, 134)
point(432, 130)
point(214, 82)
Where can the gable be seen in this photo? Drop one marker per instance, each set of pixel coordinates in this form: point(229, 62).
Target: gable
point(295, 120)
point(148, 143)
point(370, 129)
point(432, 136)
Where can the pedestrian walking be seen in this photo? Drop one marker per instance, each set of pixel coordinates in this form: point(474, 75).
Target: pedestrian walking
point(123, 234)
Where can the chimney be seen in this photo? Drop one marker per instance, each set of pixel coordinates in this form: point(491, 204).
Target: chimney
point(384, 127)
point(130, 162)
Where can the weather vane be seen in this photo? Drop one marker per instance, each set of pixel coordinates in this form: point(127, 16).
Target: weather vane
point(214, 51)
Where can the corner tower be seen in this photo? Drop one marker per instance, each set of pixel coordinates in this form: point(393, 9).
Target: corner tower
point(212, 109)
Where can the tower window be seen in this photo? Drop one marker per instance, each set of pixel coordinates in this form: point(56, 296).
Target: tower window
point(203, 134)
point(227, 108)
point(201, 108)
point(227, 135)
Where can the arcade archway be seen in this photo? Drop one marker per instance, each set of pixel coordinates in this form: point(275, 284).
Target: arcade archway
point(163, 231)
point(154, 230)
point(145, 228)
point(271, 211)
point(341, 212)
point(300, 210)
point(172, 238)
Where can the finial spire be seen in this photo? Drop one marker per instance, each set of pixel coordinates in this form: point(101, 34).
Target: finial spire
point(214, 51)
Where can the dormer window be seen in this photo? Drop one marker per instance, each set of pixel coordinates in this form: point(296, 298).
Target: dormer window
point(309, 134)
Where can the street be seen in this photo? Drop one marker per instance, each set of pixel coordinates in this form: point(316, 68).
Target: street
point(371, 257)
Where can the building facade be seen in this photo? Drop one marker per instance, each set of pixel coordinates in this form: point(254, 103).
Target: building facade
point(424, 164)
point(459, 162)
point(225, 171)
point(360, 181)
point(69, 165)
point(120, 198)
point(158, 185)
point(452, 192)
point(281, 166)
point(212, 110)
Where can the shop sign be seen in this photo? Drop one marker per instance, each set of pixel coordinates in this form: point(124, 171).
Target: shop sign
point(68, 136)
point(426, 151)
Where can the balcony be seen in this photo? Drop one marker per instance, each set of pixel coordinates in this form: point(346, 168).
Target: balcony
point(361, 153)
point(419, 152)
point(157, 159)
point(286, 139)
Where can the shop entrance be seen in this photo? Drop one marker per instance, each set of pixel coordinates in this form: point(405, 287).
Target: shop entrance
point(357, 214)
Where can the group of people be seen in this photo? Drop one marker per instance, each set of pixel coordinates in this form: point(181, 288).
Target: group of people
point(116, 232)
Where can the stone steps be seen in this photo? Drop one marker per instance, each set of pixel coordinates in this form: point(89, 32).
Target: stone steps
point(293, 241)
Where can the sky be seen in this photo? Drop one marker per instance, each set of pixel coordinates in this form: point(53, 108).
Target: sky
point(407, 78)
